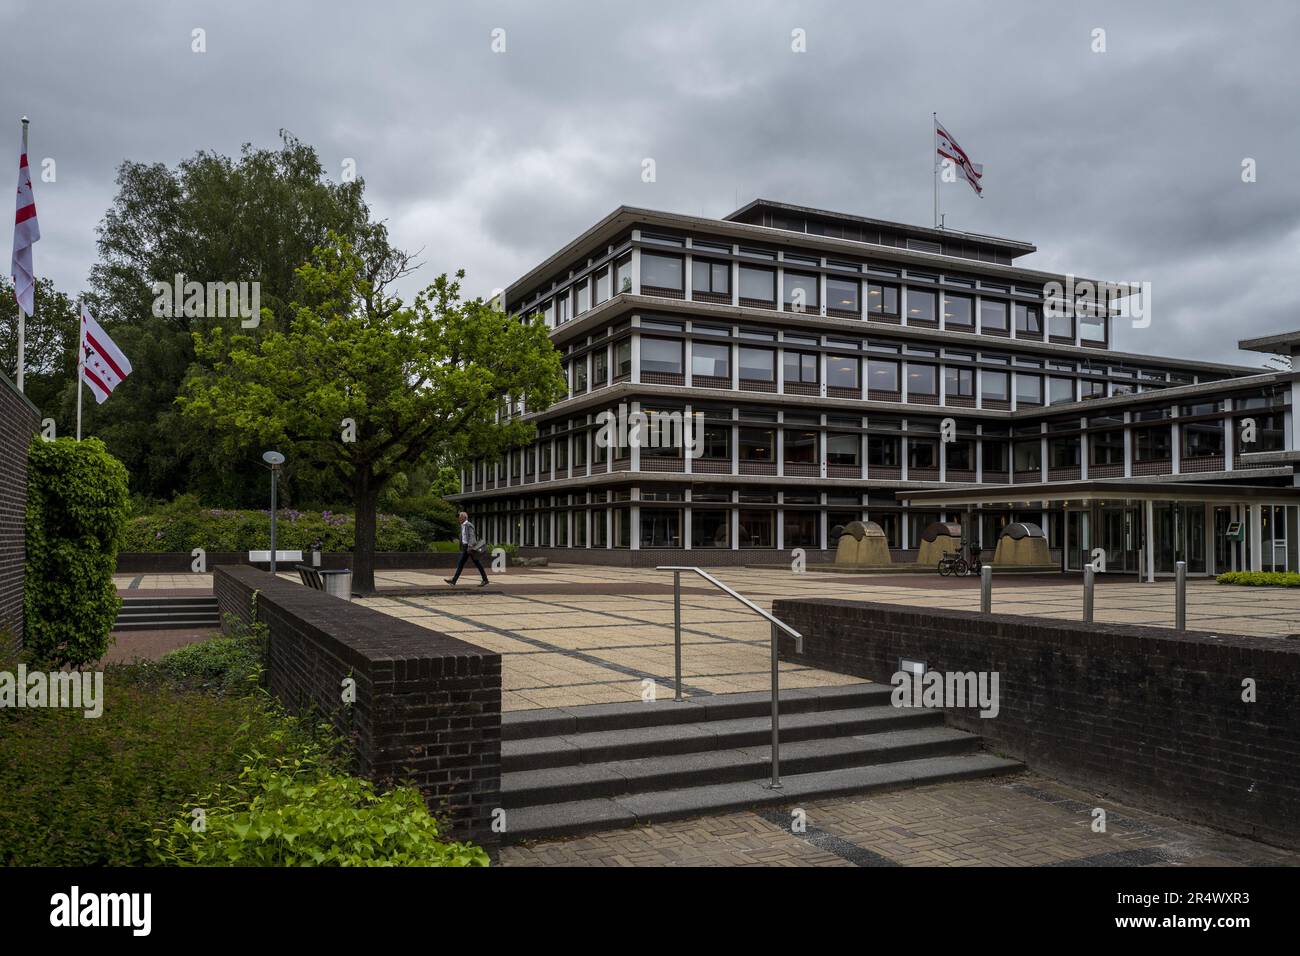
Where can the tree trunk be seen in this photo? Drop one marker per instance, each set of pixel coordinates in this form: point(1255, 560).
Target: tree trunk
point(365, 496)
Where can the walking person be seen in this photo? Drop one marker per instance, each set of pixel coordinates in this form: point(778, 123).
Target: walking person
point(469, 548)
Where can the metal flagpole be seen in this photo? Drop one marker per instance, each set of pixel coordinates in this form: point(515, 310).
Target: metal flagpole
point(934, 157)
point(22, 317)
point(81, 361)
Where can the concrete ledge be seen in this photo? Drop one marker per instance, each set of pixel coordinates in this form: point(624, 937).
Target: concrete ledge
point(1153, 716)
point(428, 706)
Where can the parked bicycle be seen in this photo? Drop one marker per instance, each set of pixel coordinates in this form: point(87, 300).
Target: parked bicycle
point(962, 562)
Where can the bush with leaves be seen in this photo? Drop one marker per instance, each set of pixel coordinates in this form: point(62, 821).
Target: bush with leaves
point(181, 528)
point(77, 506)
point(303, 814)
point(1272, 579)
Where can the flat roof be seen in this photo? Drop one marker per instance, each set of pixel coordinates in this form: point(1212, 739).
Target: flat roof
point(1019, 247)
point(1282, 342)
point(1099, 489)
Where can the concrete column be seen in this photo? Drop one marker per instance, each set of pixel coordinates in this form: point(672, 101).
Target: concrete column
point(687, 531)
point(634, 528)
point(1151, 541)
point(1256, 533)
point(1229, 443)
point(1128, 447)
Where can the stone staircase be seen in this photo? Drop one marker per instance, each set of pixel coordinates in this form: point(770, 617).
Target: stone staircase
point(167, 613)
point(603, 766)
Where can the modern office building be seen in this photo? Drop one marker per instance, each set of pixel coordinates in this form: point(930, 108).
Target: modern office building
point(843, 368)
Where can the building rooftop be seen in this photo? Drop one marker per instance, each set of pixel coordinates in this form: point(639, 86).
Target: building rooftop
point(1278, 343)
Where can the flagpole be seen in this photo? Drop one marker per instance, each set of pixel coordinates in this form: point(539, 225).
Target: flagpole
point(22, 318)
point(81, 361)
point(934, 161)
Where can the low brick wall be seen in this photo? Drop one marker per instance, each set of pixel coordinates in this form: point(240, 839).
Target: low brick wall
point(177, 562)
point(18, 423)
point(428, 706)
point(1140, 712)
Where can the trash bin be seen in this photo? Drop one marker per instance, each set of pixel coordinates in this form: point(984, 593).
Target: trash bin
point(338, 583)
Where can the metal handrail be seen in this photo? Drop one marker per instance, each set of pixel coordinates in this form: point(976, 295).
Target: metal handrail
point(776, 625)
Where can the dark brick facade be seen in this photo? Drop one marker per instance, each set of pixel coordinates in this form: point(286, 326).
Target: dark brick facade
point(1140, 712)
point(19, 420)
point(428, 706)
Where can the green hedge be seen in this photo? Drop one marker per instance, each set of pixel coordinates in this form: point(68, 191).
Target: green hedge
point(120, 789)
point(1272, 579)
point(183, 527)
point(77, 506)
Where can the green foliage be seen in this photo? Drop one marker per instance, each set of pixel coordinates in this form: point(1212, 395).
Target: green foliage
point(222, 665)
point(1273, 579)
point(183, 528)
point(91, 792)
point(302, 815)
point(76, 509)
point(433, 518)
point(50, 350)
point(422, 383)
point(253, 218)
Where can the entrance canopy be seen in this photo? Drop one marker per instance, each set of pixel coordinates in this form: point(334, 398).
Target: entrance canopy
point(1083, 493)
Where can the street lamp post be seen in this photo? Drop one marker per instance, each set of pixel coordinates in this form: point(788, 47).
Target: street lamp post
point(275, 460)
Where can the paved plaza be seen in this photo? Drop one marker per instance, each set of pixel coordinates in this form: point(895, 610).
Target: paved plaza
point(575, 634)
point(1026, 820)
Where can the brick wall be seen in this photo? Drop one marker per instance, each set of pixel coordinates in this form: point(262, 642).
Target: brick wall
point(18, 423)
point(428, 706)
point(1138, 712)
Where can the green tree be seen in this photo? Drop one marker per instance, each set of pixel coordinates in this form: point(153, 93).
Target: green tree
point(209, 219)
point(50, 352)
point(424, 382)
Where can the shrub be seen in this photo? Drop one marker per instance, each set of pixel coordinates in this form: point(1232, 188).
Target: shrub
point(222, 665)
point(186, 526)
point(305, 816)
point(77, 505)
point(1275, 579)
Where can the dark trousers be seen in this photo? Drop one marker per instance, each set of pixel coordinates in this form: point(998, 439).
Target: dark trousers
point(460, 565)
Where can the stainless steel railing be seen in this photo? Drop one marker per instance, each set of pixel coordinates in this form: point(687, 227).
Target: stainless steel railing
point(776, 626)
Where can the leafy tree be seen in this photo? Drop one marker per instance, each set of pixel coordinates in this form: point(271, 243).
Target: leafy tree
point(210, 219)
point(50, 352)
point(422, 382)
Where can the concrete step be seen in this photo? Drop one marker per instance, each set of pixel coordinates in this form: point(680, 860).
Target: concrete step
point(605, 813)
point(660, 740)
point(167, 613)
point(561, 721)
point(613, 778)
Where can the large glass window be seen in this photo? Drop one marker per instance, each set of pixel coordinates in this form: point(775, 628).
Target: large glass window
point(882, 300)
point(801, 292)
point(844, 449)
point(717, 441)
point(663, 272)
point(958, 311)
point(802, 529)
point(1270, 434)
point(600, 367)
point(580, 375)
point(920, 306)
point(922, 453)
point(800, 367)
point(623, 358)
point(842, 371)
point(993, 315)
point(1153, 444)
point(661, 355)
point(1063, 452)
point(882, 375)
point(711, 359)
point(582, 296)
point(757, 444)
point(1106, 448)
point(710, 529)
point(1060, 325)
point(756, 529)
point(1029, 455)
point(960, 455)
point(1029, 389)
point(623, 275)
point(1029, 323)
point(757, 365)
point(602, 285)
point(711, 277)
point(883, 451)
point(842, 295)
point(994, 385)
point(1060, 390)
point(994, 457)
point(799, 447)
point(922, 380)
point(757, 284)
point(959, 382)
point(1202, 439)
point(661, 528)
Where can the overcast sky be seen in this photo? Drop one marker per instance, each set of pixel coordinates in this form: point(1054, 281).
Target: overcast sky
point(1124, 164)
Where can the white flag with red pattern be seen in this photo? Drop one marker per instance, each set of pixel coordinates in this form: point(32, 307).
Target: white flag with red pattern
point(949, 150)
point(103, 366)
point(26, 232)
